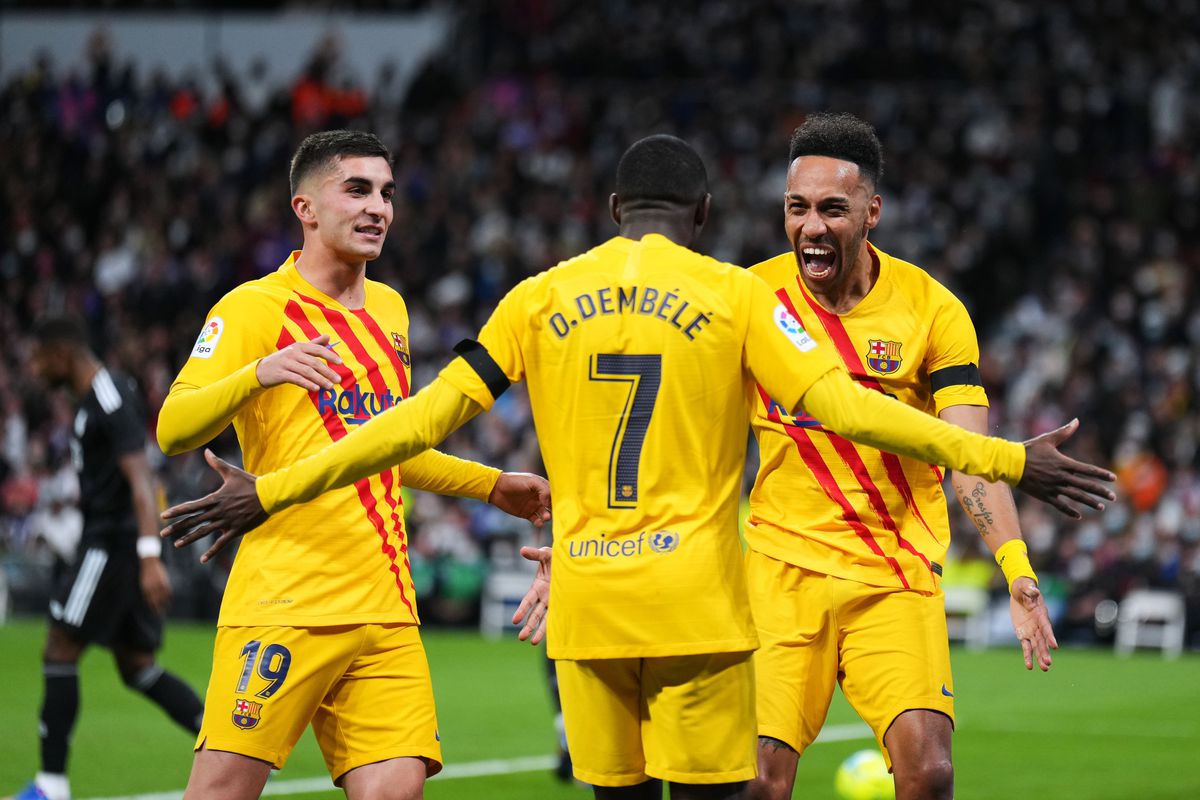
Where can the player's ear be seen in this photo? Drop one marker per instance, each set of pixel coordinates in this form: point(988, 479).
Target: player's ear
point(874, 210)
point(702, 209)
point(614, 208)
point(302, 206)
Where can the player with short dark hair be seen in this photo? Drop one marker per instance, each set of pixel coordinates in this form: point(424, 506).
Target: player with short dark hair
point(636, 353)
point(319, 623)
point(116, 590)
point(322, 151)
point(660, 172)
point(844, 137)
point(846, 542)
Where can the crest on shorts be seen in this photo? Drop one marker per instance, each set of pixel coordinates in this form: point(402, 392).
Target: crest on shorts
point(883, 357)
point(400, 345)
point(246, 713)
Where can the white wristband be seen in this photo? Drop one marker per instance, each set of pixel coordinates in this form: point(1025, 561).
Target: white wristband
point(149, 547)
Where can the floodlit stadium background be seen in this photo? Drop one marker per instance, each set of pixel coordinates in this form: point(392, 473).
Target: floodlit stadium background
point(1041, 161)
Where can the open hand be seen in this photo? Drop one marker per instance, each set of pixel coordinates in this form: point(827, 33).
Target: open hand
point(230, 511)
point(536, 602)
point(301, 364)
point(1056, 479)
point(1031, 621)
point(523, 495)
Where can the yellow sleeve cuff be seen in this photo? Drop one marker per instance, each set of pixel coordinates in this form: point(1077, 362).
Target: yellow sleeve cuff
point(870, 418)
point(1013, 558)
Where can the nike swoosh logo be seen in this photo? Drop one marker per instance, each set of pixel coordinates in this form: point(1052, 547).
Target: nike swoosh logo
point(332, 345)
point(946, 691)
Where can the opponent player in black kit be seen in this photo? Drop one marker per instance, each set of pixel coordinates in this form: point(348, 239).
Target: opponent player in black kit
point(117, 589)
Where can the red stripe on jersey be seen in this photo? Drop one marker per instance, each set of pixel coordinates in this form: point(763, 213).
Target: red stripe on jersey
point(820, 470)
point(337, 429)
point(377, 334)
point(380, 387)
point(846, 449)
point(836, 329)
point(333, 425)
point(389, 477)
point(351, 340)
point(772, 410)
point(840, 338)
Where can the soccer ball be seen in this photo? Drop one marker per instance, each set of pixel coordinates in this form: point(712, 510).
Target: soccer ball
point(864, 776)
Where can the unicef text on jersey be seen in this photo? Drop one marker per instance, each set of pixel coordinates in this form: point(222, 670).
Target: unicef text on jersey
point(659, 542)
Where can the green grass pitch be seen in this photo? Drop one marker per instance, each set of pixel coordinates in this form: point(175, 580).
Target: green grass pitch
point(1095, 728)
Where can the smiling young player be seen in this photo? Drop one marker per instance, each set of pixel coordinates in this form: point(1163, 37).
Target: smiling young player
point(319, 621)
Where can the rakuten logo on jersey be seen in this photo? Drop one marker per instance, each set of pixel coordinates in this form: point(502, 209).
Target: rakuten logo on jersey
point(354, 405)
point(659, 542)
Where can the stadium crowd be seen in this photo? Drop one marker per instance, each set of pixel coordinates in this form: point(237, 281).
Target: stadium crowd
point(1042, 162)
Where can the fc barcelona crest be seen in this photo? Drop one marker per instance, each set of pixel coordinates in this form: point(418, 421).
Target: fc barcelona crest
point(400, 345)
point(246, 713)
point(883, 357)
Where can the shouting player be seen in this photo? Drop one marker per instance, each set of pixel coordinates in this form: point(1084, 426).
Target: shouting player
point(636, 353)
point(846, 542)
point(319, 623)
point(117, 589)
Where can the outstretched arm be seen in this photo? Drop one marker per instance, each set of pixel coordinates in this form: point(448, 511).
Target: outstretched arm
point(520, 494)
point(396, 435)
point(990, 506)
point(1037, 468)
point(442, 473)
point(243, 501)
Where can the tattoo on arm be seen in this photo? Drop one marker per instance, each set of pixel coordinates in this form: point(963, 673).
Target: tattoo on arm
point(773, 744)
point(975, 506)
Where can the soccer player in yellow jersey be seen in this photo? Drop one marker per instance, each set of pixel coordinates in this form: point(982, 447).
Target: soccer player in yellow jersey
point(319, 623)
point(636, 354)
point(846, 542)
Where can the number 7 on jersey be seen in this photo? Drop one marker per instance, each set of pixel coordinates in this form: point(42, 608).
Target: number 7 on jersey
point(643, 373)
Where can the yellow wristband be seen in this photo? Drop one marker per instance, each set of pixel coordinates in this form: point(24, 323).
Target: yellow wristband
point(1013, 558)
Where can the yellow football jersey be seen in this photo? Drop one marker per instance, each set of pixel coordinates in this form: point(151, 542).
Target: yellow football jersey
point(342, 558)
point(829, 505)
point(636, 354)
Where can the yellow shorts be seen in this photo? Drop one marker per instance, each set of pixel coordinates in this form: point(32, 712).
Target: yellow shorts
point(685, 719)
point(887, 647)
point(364, 688)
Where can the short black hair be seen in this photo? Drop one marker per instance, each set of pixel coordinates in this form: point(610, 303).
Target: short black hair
point(63, 329)
point(319, 150)
point(661, 170)
point(842, 136)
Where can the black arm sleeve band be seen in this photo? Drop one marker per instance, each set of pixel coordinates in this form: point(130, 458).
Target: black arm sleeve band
point(480, 360)
point(965, 375)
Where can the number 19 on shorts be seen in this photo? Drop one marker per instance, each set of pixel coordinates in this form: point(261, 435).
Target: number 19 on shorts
point(273, 664)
